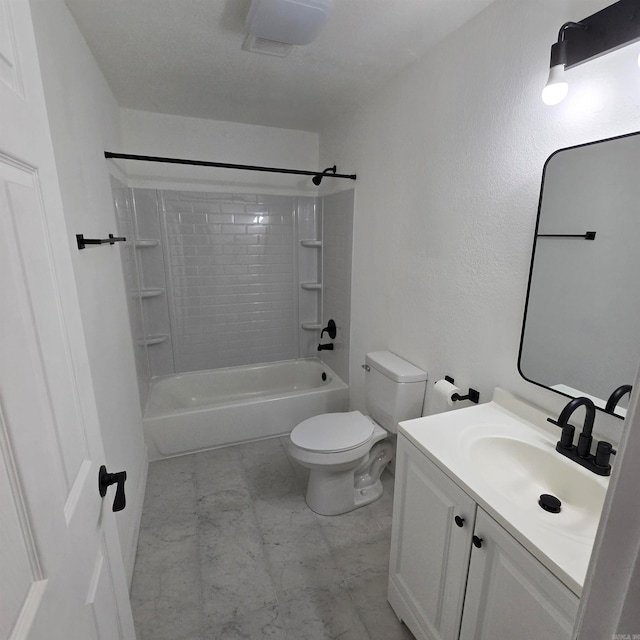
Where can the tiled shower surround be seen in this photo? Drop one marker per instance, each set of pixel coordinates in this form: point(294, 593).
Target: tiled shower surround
point(218, 280)
point(230, 277)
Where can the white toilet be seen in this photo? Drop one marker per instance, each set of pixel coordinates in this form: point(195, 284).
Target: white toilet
point(347, 452)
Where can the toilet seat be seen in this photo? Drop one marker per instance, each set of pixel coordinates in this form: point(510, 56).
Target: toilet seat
point(333, 432)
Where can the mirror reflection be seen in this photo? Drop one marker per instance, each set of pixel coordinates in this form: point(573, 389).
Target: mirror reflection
point(580, 330)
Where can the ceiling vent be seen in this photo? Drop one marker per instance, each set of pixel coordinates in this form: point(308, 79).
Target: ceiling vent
point(293, 22)
point(268, 47)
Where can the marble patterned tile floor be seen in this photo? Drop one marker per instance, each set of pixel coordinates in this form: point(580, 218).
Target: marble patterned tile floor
point(229, 550)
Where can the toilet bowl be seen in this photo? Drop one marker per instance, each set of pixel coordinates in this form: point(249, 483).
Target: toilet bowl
point(346, 453)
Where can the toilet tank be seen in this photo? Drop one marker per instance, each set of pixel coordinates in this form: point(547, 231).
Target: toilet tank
point(394, 389)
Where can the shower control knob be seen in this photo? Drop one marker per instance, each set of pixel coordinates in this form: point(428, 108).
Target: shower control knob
point(106, 479)
point(459, 521)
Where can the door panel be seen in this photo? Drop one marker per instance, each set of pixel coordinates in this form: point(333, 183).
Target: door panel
point(59, 543)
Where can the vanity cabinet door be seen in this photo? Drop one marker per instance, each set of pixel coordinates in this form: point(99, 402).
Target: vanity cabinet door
point(429, 550)
point(512, 595)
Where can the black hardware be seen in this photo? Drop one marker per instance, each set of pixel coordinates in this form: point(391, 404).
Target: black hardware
point(472, 395)
point(331, 329)
point(616, 396)
point(604, 31)
point(226, 165)
point(83, 242)
point(106, 479)
point(317, 179)
point(604, 450)
point(459, 521)
point(324, 377)
point(550, 503)
point(325, 347)
point(477, 542)
point(589, 235)
point(582, 452)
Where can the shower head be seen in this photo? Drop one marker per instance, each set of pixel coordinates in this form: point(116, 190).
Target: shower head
point(317, 179)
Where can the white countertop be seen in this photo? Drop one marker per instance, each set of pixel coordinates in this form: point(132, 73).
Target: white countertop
point(562, 542)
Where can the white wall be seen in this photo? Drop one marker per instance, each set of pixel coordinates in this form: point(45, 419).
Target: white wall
point(156, 134)
point(84, 120)
point(449, 158)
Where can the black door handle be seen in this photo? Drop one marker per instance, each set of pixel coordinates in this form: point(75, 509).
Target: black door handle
point(477, 542)
point(106, 479)
point(459, 521)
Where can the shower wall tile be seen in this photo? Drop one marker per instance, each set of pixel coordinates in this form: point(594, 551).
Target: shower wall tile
point(126, 223)
point(151, 265)
point(309, 270)
point(230, 278)
point(337, 241)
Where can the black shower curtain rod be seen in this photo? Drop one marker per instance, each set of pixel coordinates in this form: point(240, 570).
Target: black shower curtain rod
point(225, 165)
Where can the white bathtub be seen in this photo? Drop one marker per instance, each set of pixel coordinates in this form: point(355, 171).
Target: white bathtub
point(207, 409)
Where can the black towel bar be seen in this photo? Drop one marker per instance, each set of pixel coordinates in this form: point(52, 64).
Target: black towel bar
point(589, 235)
point(83, 242)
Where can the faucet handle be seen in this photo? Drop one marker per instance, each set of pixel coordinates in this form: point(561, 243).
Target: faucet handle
point(604, 451)
point(568, 431)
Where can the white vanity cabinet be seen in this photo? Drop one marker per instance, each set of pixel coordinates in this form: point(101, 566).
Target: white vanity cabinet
point(444, 587)
point(429, 551)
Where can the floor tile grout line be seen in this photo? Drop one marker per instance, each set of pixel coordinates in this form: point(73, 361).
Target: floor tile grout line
point(196, 483)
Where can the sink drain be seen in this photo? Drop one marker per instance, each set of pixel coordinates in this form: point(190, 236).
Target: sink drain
point(550, 503)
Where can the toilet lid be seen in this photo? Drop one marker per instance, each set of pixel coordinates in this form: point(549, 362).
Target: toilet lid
point(333, 432)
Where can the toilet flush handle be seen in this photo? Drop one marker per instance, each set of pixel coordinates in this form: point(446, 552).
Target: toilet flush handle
point(366, 367)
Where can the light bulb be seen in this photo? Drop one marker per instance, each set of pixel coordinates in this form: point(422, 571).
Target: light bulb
point(556, 89)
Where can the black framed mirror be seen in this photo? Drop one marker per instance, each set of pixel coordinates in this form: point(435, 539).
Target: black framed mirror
point(581, 325)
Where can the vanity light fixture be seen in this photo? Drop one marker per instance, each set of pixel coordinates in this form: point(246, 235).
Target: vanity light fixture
point(612, 28)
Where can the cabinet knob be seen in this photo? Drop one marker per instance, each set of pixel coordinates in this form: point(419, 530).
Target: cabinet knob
point(459, 521)
point(477, 542)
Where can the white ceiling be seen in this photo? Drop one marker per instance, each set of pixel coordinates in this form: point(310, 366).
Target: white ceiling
point(184, 57)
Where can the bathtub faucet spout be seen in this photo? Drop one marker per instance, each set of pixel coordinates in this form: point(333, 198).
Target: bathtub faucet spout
point(325, 347)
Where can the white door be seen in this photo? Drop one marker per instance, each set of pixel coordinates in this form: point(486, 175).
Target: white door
point(61, 572)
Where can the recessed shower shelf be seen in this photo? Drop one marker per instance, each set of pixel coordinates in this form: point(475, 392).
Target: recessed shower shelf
point(311, 326)
point(311, 285)
point(147, 293)
point(151, 340)
point(311, 243)
point(146, 243)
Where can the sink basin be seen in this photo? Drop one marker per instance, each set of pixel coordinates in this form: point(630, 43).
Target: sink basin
point(522, 471)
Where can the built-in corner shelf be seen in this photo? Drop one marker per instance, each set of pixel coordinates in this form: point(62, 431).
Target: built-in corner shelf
point(151, 340)
point(311, 243)
point(312, 286)
point(311, 326)
point(146, 243)
point(147, 293)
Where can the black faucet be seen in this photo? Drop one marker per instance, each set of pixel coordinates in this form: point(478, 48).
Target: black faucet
point(598, 463)
point(616, 396)
point(331, 329)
